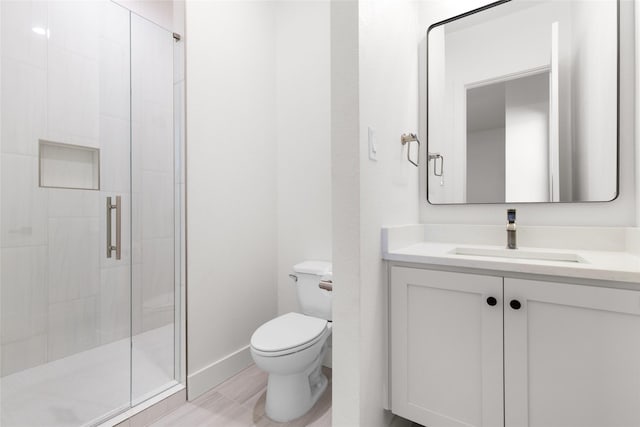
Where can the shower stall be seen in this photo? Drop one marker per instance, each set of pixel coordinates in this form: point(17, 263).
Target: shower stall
point(91, 271)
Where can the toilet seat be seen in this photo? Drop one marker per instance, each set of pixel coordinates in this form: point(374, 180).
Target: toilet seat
point(286, 334)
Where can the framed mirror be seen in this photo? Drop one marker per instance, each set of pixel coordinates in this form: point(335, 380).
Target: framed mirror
point(522, 103)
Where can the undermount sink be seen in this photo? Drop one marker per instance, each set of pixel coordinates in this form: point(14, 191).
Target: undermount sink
point(520, 254)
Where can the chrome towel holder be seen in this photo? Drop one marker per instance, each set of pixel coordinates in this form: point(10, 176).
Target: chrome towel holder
point(435, 157)
point(407, 139)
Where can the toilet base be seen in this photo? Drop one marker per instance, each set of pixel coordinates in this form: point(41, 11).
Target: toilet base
point(291, 396)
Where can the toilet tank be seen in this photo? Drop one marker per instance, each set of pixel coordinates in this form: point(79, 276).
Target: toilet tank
point(313, 301)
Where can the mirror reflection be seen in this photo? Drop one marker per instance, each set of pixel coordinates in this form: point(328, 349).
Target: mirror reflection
point(523, 103)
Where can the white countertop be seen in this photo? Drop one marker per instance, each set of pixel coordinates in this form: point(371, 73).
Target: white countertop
point(609, 265)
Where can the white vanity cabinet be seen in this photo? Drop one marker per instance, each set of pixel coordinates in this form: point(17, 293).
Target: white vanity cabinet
point(446, 348)
point(570, 353)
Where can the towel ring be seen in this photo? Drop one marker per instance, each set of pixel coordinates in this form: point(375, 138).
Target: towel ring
point(407, 139)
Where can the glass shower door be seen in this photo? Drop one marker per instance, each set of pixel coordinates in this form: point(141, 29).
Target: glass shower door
point(65, 150)
point(154, 202)
point(90, 212)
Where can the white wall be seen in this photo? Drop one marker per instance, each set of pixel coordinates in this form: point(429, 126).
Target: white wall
point(259, 169)
point(527, 139)
point(231, 184)
point(345, 192)
point(620, 212)
point(486, 148)
point(389, 188)
point(374, 84)
point(303, 134)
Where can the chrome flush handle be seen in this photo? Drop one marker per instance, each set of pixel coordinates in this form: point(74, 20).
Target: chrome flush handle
point(327, 285)
point(511, 229)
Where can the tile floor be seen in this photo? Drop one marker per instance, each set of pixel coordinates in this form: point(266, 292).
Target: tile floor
point(85, 387)
point(239, 402)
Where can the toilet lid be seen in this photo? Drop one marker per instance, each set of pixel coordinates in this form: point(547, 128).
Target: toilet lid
point(287, 331)
point(313, 267)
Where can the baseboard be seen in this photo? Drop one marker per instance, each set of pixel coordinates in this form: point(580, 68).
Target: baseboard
point(210, 376)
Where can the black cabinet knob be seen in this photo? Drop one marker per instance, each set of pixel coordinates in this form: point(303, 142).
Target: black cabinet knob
point(492, 301)
point(515, 304)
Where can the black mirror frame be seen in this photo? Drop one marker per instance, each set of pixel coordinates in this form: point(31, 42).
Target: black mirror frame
point(481, 9)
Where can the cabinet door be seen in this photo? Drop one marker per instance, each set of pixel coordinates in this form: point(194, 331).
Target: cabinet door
point(572, 355)
point(446, 348)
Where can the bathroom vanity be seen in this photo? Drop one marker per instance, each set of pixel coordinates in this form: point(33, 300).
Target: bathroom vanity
point(545, 335)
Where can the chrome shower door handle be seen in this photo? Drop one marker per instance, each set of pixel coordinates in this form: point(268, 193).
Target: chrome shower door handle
point(108, 227)
point(118, 246)
point(118, 227)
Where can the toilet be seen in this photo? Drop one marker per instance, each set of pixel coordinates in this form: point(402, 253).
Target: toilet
point(291, 347)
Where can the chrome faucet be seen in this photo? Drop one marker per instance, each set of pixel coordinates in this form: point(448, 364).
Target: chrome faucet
point(511, 229)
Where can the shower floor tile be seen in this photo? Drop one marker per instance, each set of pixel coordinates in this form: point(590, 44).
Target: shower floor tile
point(83, 388)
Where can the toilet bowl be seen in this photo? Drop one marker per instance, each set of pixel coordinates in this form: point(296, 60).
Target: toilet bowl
point(295, 379)
point(291, 347)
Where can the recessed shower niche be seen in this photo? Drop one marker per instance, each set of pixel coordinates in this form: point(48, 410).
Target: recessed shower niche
point(68, 166)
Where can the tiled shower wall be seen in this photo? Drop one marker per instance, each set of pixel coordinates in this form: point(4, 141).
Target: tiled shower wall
point(60, 294)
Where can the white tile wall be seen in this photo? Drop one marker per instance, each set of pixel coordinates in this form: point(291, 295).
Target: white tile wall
point(114, 24)
point(115, 169)
point(136, 228)
point(153, 175)
point(74, 258)
point(24, 204)
point(114, 78)
point(71, 87)
point(136, 298)
point(153, 48)
point(75, 26)
point(157, 204)
point(73, 97)
point(24, 354)
point(115, 308)
point(156, 135)
point(66, 203)
point(24, 293)
point(23, 106)
point(157, 282)
point(19, 42)
point(178, 131)
point(72, 327)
